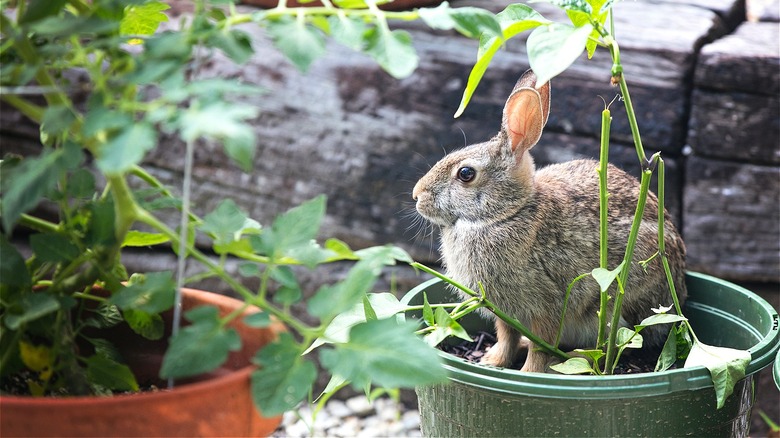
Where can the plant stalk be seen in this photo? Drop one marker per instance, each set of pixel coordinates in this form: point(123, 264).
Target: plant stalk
point(606, 120)
point(627, 260)
point(500, 314)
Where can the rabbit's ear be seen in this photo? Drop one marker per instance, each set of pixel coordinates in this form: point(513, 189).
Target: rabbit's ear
point(525, 113)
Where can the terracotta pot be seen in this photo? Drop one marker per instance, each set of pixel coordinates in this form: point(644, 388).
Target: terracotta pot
point(397, 5)
point(217, 404)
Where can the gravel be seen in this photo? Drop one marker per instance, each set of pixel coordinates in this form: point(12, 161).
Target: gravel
point(355, 417)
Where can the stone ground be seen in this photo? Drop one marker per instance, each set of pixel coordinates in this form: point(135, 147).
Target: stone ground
point(354, 417)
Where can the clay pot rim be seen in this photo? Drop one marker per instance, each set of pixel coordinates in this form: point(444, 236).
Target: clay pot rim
point(232, 378)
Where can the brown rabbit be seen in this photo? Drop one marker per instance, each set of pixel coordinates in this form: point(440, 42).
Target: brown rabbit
point(526, 234)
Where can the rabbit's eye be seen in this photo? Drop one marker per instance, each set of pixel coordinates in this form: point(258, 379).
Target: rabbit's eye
point(466, 174)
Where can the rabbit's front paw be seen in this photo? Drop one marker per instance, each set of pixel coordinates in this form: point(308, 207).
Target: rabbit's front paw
point(499, 355)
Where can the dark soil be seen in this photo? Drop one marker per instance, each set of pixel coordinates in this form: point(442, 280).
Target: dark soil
point(632, 362)
point(16, 385)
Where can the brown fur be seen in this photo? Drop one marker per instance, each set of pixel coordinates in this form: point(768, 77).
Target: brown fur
point(526, 234)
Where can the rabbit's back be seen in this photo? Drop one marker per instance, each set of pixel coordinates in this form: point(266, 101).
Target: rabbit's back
point(526, 261)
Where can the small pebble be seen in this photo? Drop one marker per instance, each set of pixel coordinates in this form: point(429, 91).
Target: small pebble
point(355, 417)
point(360, 406)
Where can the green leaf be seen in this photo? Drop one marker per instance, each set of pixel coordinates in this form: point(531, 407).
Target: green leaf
point(106, 349)
point(295, 228)
point(330, 300)
point(300, 43)
point(575, 365)
point(13, 269)
point(515, 19)
point(24, 185)
point(287, 295)
point(445, 327)
point(668, 355)
point(38, 9)
point(386, 353)
point(726, 366)
point(601, 6)
point(573, 5)
point(385, 255)
point(101, 119)
point(659, 318)
point(427, 311)
point(354, 4)
point(81, 184)
point(309, 254)
point(392, 50)
point(369, 311)
point(135, 238)
point(101, 224)
point(53, 247)
point(438, 17)
point(627, 338)
point(67, 25)
point(385, 305)
point(153, 293)
point(471, 22)
point(594, 355)
point(241, 148)
point(348, 31)
point(553, 48)
point(104, 316)
point(339, 250)
point(474, 22)
point(249, 269)
point(284, 379)
point(237, 45)
point(110, 374)
point(200, 347)
point(143, 19)
point(225, 121)
point(290, 291)
point(149, 325)
point(56, 120)
point(227, 223)
point(258, 320)
point(605, 277)
point(126, 149)
point(33, 306)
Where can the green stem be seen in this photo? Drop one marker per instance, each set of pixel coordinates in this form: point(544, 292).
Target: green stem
point(38, 224)
point(29, 109)
point(515, 324)
point(126, 209)
point(444, 278)
point(279, 11)
point(149, 219)
point(627, 262)
point(565, 307)
point(640, 151)
point(606, 120)
point(28, 53)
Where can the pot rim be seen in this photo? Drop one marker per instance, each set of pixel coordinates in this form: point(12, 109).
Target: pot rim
point(232, 378)
point(644, 384)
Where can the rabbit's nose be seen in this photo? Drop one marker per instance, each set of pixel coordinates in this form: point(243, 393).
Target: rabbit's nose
point(416, 191)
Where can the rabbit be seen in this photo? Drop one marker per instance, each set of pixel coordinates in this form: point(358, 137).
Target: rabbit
point(525, 234)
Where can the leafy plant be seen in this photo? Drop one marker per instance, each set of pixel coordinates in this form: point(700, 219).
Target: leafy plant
point(552, 47)
point(104, 86)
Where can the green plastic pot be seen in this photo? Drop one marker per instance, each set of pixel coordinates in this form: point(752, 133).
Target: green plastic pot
point(485, 401)
point(776, 370)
